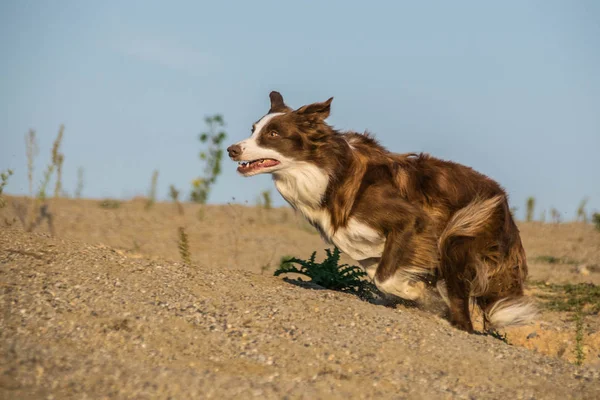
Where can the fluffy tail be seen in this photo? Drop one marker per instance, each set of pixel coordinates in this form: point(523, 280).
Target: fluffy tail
point(469, 221)
point(511, 312)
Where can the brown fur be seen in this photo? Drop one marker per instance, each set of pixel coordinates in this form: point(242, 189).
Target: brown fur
point(441, 220)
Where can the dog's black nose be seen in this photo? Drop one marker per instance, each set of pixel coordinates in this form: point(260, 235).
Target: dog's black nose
point(234, 151)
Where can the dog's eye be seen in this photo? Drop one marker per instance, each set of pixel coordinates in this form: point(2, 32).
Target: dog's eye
point(273, 134)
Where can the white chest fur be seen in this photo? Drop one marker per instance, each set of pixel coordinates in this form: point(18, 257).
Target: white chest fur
point(303, 186)
point(359, 241)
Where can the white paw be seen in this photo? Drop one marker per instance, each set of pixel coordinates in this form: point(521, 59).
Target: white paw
point(402, 286)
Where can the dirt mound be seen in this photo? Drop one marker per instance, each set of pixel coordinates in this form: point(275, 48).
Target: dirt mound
point(87, 321)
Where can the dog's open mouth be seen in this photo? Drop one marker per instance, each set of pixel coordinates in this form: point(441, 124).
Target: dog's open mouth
point(256, 165)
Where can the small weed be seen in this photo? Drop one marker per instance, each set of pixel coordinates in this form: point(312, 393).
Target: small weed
point(38, 210)
point(110, 204)
point(581, 213)
point(55, 165)
point(45, 181)
point(58, 160)
point(184, 247)
point(32, 152)
point(152, 192)
point(79, 188)
point(330, 274)
point(596, 220)
point(266, 202)
point(581, 299)
point(174, 195)
point(571, 297)
point(530, 209)
point(3, 182)
point(212, 157)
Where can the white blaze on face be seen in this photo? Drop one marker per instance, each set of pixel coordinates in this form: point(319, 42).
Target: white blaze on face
point(258, 127)
point(250, 148)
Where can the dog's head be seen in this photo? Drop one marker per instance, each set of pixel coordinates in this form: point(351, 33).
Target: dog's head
point(282, 137)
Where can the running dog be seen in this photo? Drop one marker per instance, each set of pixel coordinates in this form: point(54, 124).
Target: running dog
point(410, 220)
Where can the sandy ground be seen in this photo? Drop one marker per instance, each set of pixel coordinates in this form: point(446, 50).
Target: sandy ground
point(105, 309)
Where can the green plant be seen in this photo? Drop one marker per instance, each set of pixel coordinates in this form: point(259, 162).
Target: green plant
point(55, 165)
point(581, 213)
point(32, 152)
point(45, 181)
point(596, 220)
point(152, 192)
point(513, 212)
point(530, 209)
point(57, 160)
point(286, 262)
point(37, 211)
point(581, 299)
point(79, 188)
point(184, 247)
point(570, 297)
point(330, 274)
point(211, 156)
point(174, 195)
point(266, 199)
point(3, 182)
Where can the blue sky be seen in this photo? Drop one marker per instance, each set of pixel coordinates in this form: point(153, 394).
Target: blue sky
point(511, 88)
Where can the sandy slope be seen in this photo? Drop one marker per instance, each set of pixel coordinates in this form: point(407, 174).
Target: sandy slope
point(89, 314)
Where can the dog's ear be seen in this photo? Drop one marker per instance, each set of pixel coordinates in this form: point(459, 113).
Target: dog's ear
point(277, 104)
point(318, 111)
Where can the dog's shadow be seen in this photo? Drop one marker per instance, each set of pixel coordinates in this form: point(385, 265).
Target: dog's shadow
point(374, 296)
point(434, 304)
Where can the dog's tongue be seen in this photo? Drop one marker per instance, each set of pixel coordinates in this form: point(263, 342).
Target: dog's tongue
point(268, 163)
point(264, 163)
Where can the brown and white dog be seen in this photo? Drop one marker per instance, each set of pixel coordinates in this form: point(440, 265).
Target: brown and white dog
point(408, 219)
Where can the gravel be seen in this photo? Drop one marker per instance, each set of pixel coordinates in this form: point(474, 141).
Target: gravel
point(86, 321)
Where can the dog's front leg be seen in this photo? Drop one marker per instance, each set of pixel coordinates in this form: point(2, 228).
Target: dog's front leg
point(395, 275)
